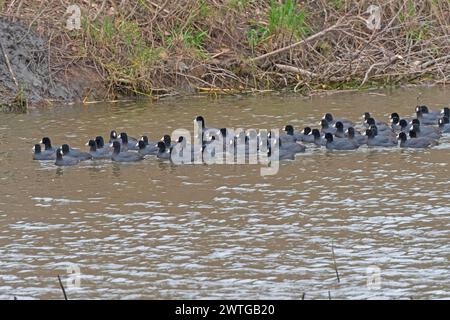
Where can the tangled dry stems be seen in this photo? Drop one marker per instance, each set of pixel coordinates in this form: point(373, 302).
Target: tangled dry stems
point(163, 47)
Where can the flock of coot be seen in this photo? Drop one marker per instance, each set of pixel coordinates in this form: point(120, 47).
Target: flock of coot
point(335, 134)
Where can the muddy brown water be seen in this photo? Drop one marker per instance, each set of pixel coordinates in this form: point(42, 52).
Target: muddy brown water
point(155, 230)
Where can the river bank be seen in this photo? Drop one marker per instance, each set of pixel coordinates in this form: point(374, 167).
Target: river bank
point(165, 48)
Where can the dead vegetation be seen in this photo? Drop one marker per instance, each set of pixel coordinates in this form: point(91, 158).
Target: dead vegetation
point(160, 47)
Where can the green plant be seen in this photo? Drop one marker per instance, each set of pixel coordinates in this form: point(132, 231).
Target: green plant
point(286, 18)
point(203, 10)
point(411, 8)
point(190, 39)
point(416, 34)
point(282, 19)
point(107, 30)
point(130, 33)
point(409, 12)
point(19, 104)
point(338, 4)
point(255, 35)
point(239, 5)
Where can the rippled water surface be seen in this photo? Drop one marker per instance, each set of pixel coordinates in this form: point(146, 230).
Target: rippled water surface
point(156, 230)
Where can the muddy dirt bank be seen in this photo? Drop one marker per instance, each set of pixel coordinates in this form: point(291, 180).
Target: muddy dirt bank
point(26, 73)
point(163, 48)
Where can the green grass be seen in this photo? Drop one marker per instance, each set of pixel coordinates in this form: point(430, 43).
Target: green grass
point(282, 19)
point(129, 56)
point(338, 4)
point(19, 104)
point(203, 10)
point(256, 35)
point(417, 30)
point(239, 5)
point(189, 39)
point(410, 12)
point(287, 18)
point(135, 55)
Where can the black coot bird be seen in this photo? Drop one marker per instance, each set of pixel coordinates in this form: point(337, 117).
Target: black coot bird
point(38, 154)
point(98, 153)
point(61, 160)
point(124, 156)
point(48, 144)
point(75, 153)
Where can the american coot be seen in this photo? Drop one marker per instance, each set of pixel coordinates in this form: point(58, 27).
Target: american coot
point(201, 123)
point(127, 143)
point(98, 153)
point(147, 149)
point(64, 161)
point(113, 136)
point(325, 128)
point(395, 119)
point(101, 145)
point(412, 143)
point(305, 135)
point(379, 141)
point(444, 125)
point(228, 137)
point(432, 115)
point(215, 151)
point(425, 119)
point(355, 136)
point(288, 137)
point(276, 152)
point(38, 154)
point(368, 122)
point(422, 131)
point(413, 135)
point(346, 138)
point(386, 133)
point(163, 152)
point(398, 124)
point(394, 115)
point(342, 144)
point(48, 144)
point(445, 112)
point(203, 130)
point(318, 140)
point(124, 156)
point(404, 125)
point(291, 146)
point(382, 127)
point(339, 129)
point(75, 153)
point(167, 141)
point(328, 117)
point(147, 141)
point(395, 123)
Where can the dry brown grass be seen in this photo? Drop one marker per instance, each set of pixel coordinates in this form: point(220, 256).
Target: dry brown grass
point(165, 47)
